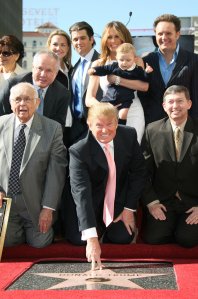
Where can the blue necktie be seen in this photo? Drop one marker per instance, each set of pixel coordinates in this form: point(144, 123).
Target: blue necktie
point(78, 90)
point(18, 149)
point(41, 105)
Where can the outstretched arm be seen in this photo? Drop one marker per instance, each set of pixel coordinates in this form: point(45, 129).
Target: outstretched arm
point(94, 82)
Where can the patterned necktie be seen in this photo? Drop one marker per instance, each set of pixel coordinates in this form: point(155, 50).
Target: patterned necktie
point(41, 105)
point(78, 90)
point(108, 210)
point(177, 139)
point(18, 149)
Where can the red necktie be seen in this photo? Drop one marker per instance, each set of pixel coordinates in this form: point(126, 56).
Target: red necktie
point(108, 210)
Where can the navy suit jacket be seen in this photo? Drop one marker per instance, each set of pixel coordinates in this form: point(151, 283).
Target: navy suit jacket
point(57, 98)
point(185, 73)
point(89, 174)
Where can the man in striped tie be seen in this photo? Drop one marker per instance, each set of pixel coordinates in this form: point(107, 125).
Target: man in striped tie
point(107, 172)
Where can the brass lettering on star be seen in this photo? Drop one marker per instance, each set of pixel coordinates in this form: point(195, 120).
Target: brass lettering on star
point(91, 278)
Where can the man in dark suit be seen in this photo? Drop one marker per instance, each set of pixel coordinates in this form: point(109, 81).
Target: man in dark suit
point(56, 97)
point(171, 195)
point(35, 183)
point(171, 65)
point(89, 175)
point(82, 37)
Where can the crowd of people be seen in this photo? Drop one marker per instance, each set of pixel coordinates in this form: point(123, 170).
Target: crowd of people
point(72, 166)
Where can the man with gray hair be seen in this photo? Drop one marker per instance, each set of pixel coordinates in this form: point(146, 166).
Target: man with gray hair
point(54, 96)
point(33, 163)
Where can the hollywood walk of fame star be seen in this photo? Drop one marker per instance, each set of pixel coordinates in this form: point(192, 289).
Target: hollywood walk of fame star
point(92, 278)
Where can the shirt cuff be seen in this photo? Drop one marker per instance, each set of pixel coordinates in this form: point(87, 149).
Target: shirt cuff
point(130, 209)
point(153, 202)
point(89, 233)
point(48, 208)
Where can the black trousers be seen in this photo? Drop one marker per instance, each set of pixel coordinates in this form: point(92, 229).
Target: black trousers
point(115, 233)
point(172, 230)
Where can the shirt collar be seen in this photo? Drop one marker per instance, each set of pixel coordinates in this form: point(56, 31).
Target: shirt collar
point(28, 123)
point(37, 88)
point(175, 54)
point(181, 127)
point(132, 67)
point(103, 144)
point(88, 56)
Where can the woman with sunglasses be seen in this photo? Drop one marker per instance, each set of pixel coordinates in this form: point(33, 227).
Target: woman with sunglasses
point(11, 52)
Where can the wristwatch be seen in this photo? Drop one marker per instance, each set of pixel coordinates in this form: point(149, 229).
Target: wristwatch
point(117, 80)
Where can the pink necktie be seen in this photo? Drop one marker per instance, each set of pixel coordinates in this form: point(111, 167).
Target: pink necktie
point(108, 210)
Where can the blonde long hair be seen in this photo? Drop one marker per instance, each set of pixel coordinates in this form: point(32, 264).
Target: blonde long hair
point(67, 58)
point(123, 34)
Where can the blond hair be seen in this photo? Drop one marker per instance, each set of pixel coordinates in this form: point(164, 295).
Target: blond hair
point(67, 58)
point(126, 48)
point(102, 109)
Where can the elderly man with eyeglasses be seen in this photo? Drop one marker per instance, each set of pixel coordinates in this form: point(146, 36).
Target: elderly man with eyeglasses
point(33, 163)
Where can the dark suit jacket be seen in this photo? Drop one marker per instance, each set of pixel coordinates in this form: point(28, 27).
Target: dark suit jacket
point(56, 101)
point(185, 73)
point(89, 174)
point(166, 174)
point(99, 93)
point(62, 78)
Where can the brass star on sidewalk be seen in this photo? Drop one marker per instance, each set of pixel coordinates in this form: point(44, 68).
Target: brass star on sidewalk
point(91, 279)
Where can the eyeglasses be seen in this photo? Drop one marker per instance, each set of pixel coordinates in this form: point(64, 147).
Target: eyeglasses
point(25, 100)
point(6, 53)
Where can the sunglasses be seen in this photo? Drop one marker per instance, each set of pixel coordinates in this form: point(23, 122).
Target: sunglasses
point(6, 53)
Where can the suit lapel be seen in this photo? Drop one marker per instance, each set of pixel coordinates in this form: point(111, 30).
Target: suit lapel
point(187, 138)
point(119, 149)
point(94, 57)
point(33, 139)
point(168, 137)
point(97, 152)
point(8, 135)
point(48, 100)
point(178, 67)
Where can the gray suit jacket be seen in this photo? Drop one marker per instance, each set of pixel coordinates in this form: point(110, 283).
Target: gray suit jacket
point(43, 166)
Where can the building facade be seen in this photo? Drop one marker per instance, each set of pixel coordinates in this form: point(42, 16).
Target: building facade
point(35, 41)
